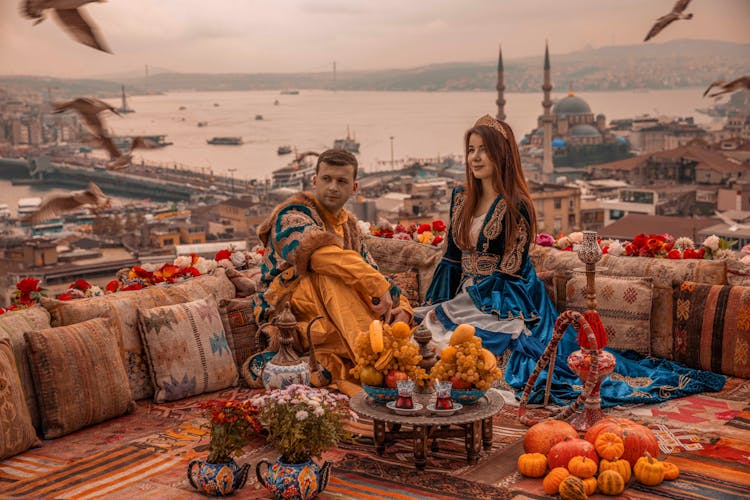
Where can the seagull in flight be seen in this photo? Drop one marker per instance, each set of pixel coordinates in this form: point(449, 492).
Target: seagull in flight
point(733, 224)
point(742, 82)
point(667, 19)
point(120, 160)
point(93, 198)
point(70, 16)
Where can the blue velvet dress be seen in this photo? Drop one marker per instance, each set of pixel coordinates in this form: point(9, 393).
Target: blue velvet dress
point(499, 293)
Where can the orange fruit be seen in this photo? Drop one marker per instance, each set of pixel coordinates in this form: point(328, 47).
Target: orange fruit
point(461, 334)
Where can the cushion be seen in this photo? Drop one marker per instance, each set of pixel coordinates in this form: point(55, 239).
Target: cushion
point(240, 327)
point(12, 326)
point(712, 327)
point(122, 307)
point(17, 434)
point(665, 272)
point(624, 305)
point(738, 272)
point(400, 256)
point(79, 376)
point(187, 349)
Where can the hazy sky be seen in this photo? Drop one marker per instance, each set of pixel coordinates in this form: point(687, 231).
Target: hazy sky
point(249, 36)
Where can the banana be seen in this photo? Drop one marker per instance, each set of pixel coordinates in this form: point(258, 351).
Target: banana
point(376, 336)
point(384, 360)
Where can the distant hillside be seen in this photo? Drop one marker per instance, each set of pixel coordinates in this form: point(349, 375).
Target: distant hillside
point(675, 64)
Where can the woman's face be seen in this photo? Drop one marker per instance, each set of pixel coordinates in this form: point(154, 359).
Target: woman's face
point(480, 164)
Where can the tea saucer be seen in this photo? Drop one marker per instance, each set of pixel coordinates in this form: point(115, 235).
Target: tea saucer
point(403, 411)
point(444, 413)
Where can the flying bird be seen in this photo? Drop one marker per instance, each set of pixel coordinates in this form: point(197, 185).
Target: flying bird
point(667, 19)
point(742, 82)
point(89, 109)
point(93, 198)
point(70, 16)
point(119, 159)
point(733, 224)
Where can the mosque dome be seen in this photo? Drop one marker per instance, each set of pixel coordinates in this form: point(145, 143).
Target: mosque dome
point(571, 105)
point(584, 130)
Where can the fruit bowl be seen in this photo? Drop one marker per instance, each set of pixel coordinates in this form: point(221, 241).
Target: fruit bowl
point(381, 395)
point(467, 396)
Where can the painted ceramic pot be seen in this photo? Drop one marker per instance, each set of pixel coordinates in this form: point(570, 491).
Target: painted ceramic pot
point(218, 480)
point(293, 481)
point(280, 376)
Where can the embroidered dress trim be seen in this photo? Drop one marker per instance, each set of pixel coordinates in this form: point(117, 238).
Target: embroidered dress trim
point(479, 263)
point(513, 258)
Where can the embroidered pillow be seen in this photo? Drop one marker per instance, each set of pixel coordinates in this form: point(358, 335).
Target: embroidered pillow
point(623, 303)
point(12, 326)
point(79, 376)
point(240, 328)
point(712, 327)
point(16, 432)
point(187, 349)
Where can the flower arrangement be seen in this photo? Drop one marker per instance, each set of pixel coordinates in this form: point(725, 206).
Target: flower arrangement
point(648, 245)
point(27, 293)
point(427, 234)
point(239, 259)
point(233, 423)
point(302, 422)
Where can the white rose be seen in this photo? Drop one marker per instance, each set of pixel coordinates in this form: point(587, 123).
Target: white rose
point(206, 266)
point(745, 259)
point(576, 237)
point(225, 263)
point(183, 261)
point(363, 226)
point(238, 259)
point(253, 259)
point(564, 242)
point(616, 248)
point(712, 242)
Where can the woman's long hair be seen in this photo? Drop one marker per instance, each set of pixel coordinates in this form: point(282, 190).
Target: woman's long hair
point(507, 179)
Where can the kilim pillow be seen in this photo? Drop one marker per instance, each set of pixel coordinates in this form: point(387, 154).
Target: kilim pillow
point(187, 349)
point(240, 327)
point(623, 303)
point(79, 376)
point(738, 272)
point(16, 432)
point(121, 307)
point(12, 326)
point(712, 327)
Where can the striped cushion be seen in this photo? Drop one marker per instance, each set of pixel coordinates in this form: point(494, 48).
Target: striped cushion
point(79, 376)
point(12, 326)
point(16, 432)
point(712, 327)
point(187, 349)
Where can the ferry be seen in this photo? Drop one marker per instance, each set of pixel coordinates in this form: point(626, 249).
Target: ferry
point(258, 117)
point(290, 92)
point(284, 150)
point(349, 144)
point(159, 141)
point(298, 173)
point(225, 141)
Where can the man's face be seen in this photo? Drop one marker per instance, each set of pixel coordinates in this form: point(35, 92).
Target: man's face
point(333, 185)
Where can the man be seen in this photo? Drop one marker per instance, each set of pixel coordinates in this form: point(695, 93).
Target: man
point(316, 257)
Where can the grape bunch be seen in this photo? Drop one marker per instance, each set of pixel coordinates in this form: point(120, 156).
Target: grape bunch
point(466, 363)
point(398, 351)
point(364, 355)
point(406, 358)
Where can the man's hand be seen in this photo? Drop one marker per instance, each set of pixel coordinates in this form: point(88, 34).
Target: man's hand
point(398, 314)
point(382, 306)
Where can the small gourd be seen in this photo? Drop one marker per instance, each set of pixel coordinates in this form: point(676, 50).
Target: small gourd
point(671, 471)
point(582, 467)
point(551, 482)
point(609, 445)
point(648, 470)
point(572, 488)
point(589, 485)
point(532, 464)
point(618, 465)
point(611, 483)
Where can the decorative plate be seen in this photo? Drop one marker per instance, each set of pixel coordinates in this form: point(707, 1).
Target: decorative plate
point(403, 411)
point(444, 413)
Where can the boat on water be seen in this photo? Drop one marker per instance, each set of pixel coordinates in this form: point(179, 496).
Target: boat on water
point(124, 108)
point(289, 92)
point(202, 124)
point(284, 150)
point(158, 140)
point(258, 117)
point(225, 141)
point(348, 144)
point(298, 173)
point(276, 102)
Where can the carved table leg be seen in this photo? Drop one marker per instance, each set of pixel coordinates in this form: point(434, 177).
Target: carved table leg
point(487, 433)
point(473, 441)
point(394, 427)
point(379, 436)
point(420, 446)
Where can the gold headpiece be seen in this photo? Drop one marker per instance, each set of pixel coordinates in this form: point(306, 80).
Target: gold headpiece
point(488, 121)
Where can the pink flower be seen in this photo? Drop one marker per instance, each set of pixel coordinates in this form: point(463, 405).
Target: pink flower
point(545, 240)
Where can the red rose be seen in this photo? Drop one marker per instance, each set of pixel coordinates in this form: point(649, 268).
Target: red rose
point(113, 286)
point(191, 271)
point(423, 227)
point(28, 285)
point(631, 249)
point(65, 296)
point(674, 254)
point(386, 233)
point(142, 273)
point(605, 249)
point(438, 225)
point(438, 240)
point(702, 253)
point(81, 285)
point(194, 258)
point(222, 255)
point(689, 253)
point(134, 286)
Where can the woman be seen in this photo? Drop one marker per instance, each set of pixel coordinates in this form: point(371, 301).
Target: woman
point(486, 279)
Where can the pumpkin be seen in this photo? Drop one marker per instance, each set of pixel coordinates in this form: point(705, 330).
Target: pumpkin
point(610, 483)
point(617, 465)
point(571, 488)
point(648, 470)
point(636, 438)
point(532, 464)
point(582, 467)
point(589, 485)
point(551, 482)
point(671, 471)
point(609, 445)
point(560, 454)
point(544, 435)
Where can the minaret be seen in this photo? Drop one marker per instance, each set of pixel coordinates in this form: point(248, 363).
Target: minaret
point(500, 88)
point(547, 165)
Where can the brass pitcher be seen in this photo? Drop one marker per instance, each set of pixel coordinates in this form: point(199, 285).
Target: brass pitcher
point(285, 368)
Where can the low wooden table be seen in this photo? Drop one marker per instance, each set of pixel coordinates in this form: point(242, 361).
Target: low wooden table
point(472, 422)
